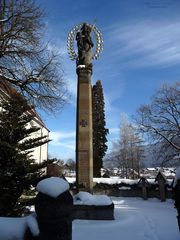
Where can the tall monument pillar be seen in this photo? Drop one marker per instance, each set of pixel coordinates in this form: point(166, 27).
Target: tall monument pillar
point(84, 145)
point(84, 128)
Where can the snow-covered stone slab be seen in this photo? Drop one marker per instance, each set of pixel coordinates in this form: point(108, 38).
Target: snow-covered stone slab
point(93, 207)
point(52, 186)
point(85, 198)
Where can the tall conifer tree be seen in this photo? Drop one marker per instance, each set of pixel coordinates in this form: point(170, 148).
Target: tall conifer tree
point(99, 130)
point(17, 168)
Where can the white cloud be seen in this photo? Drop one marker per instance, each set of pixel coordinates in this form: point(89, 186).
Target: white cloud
point(114, 92)
point(62, 144)
point(147, 43)
point(72, 88)
point(69, 74)
point(57, 48)
point(58, 136)
point(70, 145)
point(113, 130)
point(61, 152)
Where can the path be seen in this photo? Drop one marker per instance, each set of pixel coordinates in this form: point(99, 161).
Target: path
point(135, 219)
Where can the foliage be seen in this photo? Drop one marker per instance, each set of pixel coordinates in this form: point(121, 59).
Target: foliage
point(67, 167)
point(18, 171)
point(57, 161)
point(71, 164)
point(99, 130)
point(25, 61)
point(161, 120)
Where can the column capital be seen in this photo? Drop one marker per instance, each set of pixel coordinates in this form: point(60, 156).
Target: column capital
point(83, 69)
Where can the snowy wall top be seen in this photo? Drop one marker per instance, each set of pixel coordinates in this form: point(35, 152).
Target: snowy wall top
point(52, 186)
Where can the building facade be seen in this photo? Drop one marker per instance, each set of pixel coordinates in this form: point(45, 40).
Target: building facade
point(39, 153)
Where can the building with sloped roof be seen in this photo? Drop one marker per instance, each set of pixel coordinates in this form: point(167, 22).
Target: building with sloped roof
point(39, 153)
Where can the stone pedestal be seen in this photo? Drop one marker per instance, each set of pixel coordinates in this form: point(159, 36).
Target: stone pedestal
point(92, 212)
point(160, 178)
point(143, 183)
point(84, 145)
point(54, 216)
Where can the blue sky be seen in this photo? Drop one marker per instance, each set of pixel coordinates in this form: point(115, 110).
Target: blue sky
point(141, 52)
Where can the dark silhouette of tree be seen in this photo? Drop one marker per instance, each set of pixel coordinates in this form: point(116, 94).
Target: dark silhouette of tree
point(99, 130)
point(18, 170)
point(71, 164)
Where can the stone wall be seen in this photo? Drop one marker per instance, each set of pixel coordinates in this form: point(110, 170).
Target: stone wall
point(130, 191)
point(104, 212)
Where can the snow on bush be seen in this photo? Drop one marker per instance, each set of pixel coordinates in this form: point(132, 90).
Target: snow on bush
point(15, 228)
point(177, 176)
point(52, 186)
point(85, 198)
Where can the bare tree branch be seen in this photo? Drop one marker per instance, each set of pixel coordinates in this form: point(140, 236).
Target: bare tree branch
point(161, 119)
point(25, 60)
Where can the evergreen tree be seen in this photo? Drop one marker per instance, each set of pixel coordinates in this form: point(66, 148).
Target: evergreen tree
point(18, 171)
point(99, 130)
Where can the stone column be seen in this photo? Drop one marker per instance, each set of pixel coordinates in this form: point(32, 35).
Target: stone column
point(84, 145)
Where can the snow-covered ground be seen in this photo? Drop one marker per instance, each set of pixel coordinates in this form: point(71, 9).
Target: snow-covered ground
point(135, 219)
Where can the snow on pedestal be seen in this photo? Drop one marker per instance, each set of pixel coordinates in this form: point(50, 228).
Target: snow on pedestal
point(53, 206)
point(52, 186)
point(85, 198)
point(93, 207)
point(15, 228)
point(81, 66)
